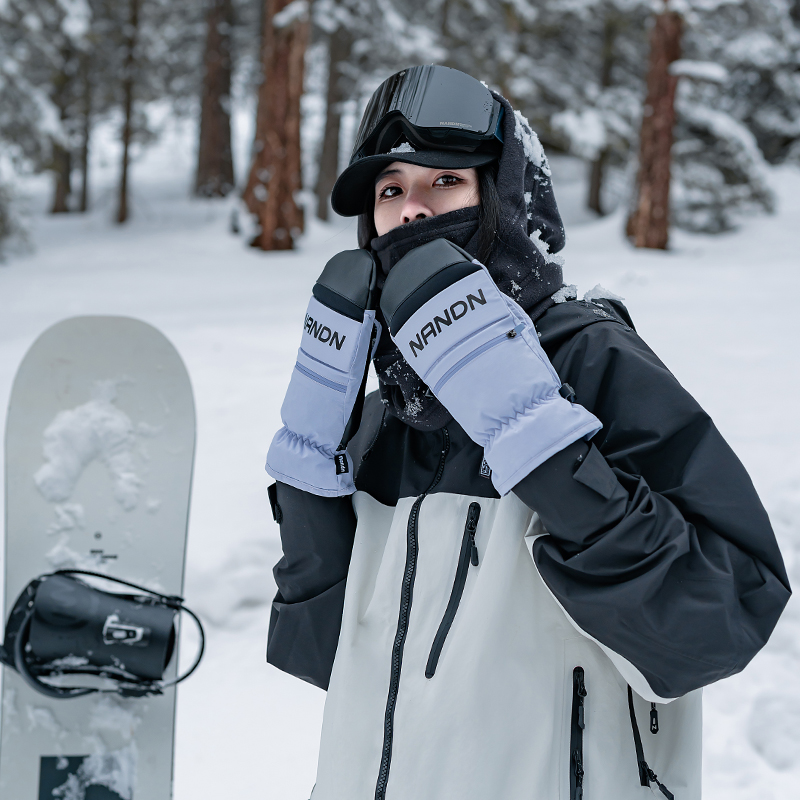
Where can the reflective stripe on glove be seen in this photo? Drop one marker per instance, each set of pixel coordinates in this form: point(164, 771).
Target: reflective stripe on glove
point(322, 407)
point(479, 353)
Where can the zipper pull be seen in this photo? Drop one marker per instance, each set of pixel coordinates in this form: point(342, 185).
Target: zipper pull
point(653, 718)
point(580, 688)
point(515, 330)
point(473, 556)
point(578, 761)
point(472, 526)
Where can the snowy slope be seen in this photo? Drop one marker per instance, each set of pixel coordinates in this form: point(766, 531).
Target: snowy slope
point(719, 311)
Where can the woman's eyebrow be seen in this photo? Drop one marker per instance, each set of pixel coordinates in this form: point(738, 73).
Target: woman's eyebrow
point(385, 173)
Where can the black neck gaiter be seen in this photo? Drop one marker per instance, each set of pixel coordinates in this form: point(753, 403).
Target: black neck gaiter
point(402, 390)
point(459, 227)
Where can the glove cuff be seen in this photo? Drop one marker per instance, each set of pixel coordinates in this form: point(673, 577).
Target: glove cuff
point(527, 440)
point(291, 455)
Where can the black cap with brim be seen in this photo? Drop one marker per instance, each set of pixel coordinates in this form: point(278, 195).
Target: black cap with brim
point(353, 191)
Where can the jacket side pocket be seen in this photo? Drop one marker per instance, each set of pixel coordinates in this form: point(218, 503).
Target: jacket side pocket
point(577, 725)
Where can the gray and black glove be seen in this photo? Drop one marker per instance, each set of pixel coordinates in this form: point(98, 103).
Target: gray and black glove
point(322, 407)
point(480, 355)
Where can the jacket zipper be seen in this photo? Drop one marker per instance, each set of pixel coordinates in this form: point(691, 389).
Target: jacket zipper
point(646, 774)
point(578, 723)
point(338, 387)
point(406, 594)
point(468, 555)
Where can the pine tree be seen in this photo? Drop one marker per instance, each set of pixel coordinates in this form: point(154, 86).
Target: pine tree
point(339, 88)
point(275, 172)
point(214, 176)
point(648, 224)
point(46, 40)
point(366, 41)
point(146, 50)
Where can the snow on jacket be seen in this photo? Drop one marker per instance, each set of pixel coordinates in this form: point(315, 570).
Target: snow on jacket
point(478, 647)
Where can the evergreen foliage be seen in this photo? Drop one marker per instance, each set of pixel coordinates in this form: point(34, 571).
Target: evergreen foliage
point(575, 68)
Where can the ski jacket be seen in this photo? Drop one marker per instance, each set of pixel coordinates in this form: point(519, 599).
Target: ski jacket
point(547, 644)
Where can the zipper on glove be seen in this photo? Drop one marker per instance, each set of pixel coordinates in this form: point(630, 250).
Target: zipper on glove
point(577, 724)
point(406, 596)
point(337, 387)
point(459, 365)
point(467, 556)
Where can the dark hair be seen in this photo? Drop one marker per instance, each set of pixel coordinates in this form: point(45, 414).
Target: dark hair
point(488, 218)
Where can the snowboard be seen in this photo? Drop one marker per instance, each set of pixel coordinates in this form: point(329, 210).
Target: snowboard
point(99, 452)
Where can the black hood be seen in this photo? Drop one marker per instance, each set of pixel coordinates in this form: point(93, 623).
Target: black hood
point(522, 261)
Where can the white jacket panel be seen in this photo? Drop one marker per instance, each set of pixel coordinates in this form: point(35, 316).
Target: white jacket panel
point(494, 720)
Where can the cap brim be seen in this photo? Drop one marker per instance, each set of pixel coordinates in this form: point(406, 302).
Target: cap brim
point(353, 190)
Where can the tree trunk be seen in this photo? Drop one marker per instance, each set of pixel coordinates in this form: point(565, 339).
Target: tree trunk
point(62, 157)
point(275, 175)
point(85, 132)
point(597, 170)
point(127, 93)
point(648, 224)
point(214, 158)
point(340, 45)
point(62, 188)
point(596, 177)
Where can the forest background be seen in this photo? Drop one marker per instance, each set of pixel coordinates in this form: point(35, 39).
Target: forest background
point(582, 71)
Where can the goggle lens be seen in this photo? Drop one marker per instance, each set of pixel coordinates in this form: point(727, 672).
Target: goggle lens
point(443, 106)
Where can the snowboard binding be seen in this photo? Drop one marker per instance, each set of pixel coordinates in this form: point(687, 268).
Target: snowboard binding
point(61, 625)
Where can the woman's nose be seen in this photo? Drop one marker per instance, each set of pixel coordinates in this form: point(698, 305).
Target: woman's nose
point(415, 208)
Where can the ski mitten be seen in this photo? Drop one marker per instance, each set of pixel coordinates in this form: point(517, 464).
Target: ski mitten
point(479, 353)
point(322, 407)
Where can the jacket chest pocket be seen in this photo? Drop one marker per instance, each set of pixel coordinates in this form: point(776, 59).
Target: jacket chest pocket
point(467, 557)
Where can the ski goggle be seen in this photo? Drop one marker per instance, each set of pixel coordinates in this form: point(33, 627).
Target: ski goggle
point(431, 107)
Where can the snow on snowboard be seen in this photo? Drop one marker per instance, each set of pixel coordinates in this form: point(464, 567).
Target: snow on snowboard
point(99, 452)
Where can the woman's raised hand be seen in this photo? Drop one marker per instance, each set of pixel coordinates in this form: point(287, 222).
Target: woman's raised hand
point(479, 353)
point(323, 403)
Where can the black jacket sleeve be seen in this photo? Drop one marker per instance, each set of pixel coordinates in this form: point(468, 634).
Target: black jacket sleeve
point(658, 544)
point(317, 536)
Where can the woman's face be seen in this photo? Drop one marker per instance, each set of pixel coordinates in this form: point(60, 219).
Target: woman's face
point(406, 192)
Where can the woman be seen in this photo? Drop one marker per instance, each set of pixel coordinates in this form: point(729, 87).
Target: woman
point(516, 566)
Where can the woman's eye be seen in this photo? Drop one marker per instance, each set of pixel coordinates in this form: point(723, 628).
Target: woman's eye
point(390, 191)
point(447, 180)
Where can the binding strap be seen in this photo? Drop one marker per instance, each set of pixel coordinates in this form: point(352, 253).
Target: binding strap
point(646, 775)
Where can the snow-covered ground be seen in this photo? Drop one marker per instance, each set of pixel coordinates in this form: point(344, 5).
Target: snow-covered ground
point(720, 311)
